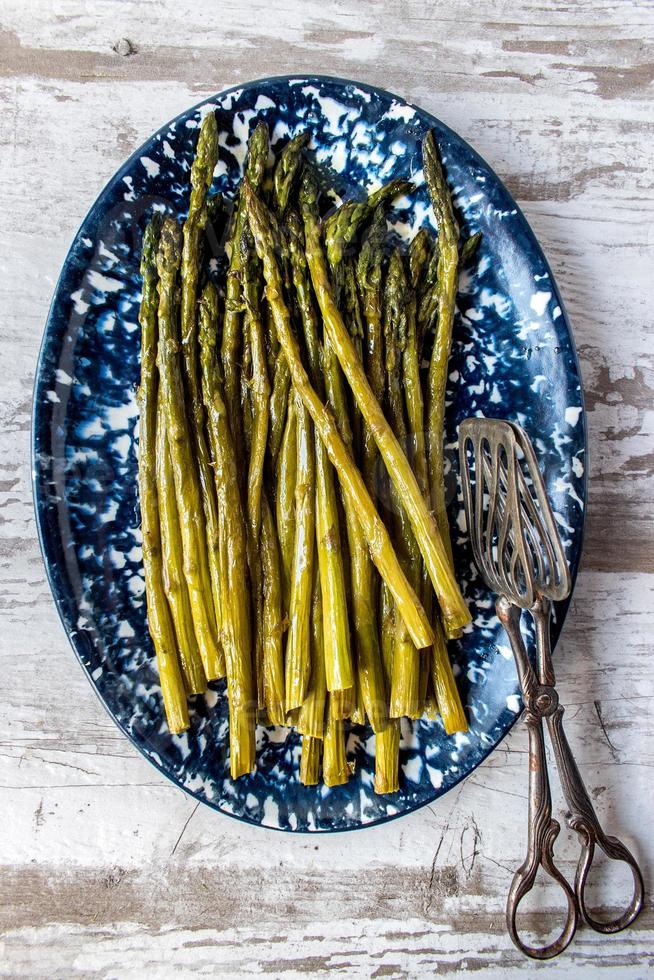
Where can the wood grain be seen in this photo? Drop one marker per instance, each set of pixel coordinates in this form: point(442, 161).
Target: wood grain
point(106, 869)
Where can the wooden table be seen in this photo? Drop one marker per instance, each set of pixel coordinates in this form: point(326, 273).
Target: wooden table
point(107, 869)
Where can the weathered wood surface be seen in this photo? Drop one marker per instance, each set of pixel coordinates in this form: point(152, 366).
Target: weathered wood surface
point(105, 868)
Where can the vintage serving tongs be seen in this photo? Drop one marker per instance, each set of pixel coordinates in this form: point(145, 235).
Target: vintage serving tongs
point(519, 552)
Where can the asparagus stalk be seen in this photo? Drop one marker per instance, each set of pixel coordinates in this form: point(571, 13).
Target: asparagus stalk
point(298, 650)
point(311, 720)
point(334, 602)
point(202, 169)
point(288, 170)
point(455, 611)
point(369, 690)
point(344, 224)
point(427, 298)
point(285, 501)
point(187, 484)
point(448, 236)
point(233, 546)
point(405, 684)
point(415, 409)
point(369, 281)
point(469, 248)
point(420, 250)
point(387, 743)
point(173, 564)
point(259, 408)
point(447, 694)
point(371, 686)
point(335, 768)
point(273, 653)
point(351, 480)
point(232, 322)
point(344, 703)
point(159, 619)
point(310, 760)
point(279, 403)
point(449, 699)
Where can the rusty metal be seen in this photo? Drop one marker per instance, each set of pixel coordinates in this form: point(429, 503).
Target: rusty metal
point(518, 550)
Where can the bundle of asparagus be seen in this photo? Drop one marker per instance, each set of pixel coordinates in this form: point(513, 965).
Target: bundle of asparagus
point(282, 409)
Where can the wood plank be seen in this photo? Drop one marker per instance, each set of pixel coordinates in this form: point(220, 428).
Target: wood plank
point(105, 868)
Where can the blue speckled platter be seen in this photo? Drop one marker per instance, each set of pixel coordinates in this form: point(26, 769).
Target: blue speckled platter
point(513, 357)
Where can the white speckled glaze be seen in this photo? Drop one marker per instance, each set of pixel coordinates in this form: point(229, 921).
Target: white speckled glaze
point(513, 357)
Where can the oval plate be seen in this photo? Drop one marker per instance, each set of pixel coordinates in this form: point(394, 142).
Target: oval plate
point(513, 356)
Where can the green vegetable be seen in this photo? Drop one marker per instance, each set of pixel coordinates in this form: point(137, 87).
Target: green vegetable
point(173, 564)
point(285, 501)
point(455, 611)
point(351, 481)
point(298, 649)
point(288, 170)
point(187, 483)
point(233, 546)
point(387, 743)
point(273, 652)
point(335, 768)
point(206, 157)
point(232, 333)
point(160, 622)
point(448, 259)
point(334, 602)
point(310, 760)
point(311, 720)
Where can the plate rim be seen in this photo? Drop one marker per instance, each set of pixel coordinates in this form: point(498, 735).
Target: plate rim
point(39, 498)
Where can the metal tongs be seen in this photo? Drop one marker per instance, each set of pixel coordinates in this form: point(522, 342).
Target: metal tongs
point(519, 552)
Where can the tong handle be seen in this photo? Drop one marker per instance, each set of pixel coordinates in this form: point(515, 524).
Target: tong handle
point(583, 819)
point(542, 828)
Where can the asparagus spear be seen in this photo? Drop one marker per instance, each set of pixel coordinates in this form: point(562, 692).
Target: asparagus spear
point(310, 760)
point(159, 619)
point(279, 402)
point(285, 502)
point(259, 408)
point(202, 169)
point(427, 298)
point(335, 768)
point(369, 280)
point(311, 720)
point(387, 743)
point(344, 224)
point(449, 699)
point(233, 546)
point(369, 690)
point(334, 601)
point(298, 651)
point(173, 564)
point(232, 325)
point(448, 233)
point(288, 169)
point(448, 236)
point(420, 250)
point(415, 409)
point(455, 611)
point(344, 704)
point(469, 248)
point(447, 694)
point(187, 484)
point(351, 480)
point(371, 686)
point(405, 684)
point(273, 654)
